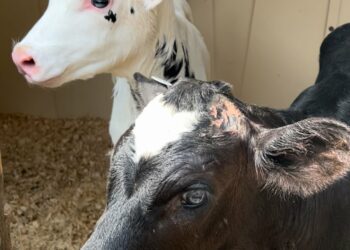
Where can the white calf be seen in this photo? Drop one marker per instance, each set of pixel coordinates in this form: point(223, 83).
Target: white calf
point(77, 39)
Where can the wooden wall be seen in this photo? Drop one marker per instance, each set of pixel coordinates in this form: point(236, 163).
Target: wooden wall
point(268, 49)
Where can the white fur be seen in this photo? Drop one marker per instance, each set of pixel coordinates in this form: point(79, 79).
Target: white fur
point(162, 81)
point(70, 43)
point(124, 110)
point(150, 4)
point(158, 125)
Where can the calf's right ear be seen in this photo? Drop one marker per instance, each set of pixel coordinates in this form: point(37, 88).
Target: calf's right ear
point(305, 157)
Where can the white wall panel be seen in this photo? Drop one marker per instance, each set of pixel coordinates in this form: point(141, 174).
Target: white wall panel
point(203, 15)
point(283, 50)
point(344, 12)
point(232, 28)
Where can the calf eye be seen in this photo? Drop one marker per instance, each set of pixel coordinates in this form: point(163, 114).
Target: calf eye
point(194, 199)
point(100, 3)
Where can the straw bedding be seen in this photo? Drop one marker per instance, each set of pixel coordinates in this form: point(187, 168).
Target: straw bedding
point(55, 179)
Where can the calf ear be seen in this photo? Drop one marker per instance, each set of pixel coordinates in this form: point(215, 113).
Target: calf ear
point(151, 4)
point(145, 89)
point(304, 158)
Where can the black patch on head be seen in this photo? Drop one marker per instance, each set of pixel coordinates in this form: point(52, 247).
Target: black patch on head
point(335, 39)
point(190, 95)
point(132, 10)
point(111, 17)
point(335, 52)
point(330, 95)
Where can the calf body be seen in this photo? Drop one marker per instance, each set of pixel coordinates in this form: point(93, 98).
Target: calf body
point(77, 39)
point(202, 170)
point(330, 96)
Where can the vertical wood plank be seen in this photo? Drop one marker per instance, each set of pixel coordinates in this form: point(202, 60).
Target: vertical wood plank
point(283, 50)
point(5, 239)
point(344, 13)
point(92, 98)
point(232, 28)
point(203, 15)
point(333, 15)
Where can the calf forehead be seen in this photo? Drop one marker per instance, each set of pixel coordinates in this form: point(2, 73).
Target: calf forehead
point(159, 125)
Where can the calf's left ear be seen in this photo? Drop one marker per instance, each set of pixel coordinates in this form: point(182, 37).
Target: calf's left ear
point(305, 157)
point(145, 89)
point(151, 4)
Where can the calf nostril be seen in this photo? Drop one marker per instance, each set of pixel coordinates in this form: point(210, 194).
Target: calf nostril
point(28, 62)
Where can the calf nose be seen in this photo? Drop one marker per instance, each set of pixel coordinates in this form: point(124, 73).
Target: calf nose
point(24, 61)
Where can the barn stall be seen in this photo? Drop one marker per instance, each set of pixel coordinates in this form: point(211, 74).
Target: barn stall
point(55, 143)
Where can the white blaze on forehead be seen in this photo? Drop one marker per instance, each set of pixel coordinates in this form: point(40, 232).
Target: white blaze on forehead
point(158, 125)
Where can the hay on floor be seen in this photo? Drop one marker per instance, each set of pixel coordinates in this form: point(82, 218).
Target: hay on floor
point(55, 179)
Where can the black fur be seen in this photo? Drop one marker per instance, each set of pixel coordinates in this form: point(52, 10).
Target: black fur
point(273, 179)
point(188, 72)
point(145, 90)
point(330, 96)
point(111, 17)
point(160, 49)
point(172, 66)
point(177, 64)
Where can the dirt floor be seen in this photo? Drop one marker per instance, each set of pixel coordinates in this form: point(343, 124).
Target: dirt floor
point(55, 178)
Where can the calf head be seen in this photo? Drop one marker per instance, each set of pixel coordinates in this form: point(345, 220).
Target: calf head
point(77, 39)
point(335, 53)
point(191, 172)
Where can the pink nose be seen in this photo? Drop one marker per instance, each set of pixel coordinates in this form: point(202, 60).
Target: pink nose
point(24, 61)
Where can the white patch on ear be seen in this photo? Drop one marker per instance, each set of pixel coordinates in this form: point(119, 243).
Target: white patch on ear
point(158, 125)
point(150, 4)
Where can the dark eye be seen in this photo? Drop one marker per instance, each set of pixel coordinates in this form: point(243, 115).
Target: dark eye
point(100, 3)
point(194, 199)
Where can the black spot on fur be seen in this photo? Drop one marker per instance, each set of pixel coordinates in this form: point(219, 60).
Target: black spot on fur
point(160, 49)
point(188, 73)
point(132, 10)
point(172, 66)
point(177, 64)
point(111, 17)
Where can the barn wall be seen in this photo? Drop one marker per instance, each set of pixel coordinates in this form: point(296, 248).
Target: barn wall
point(268, 49)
